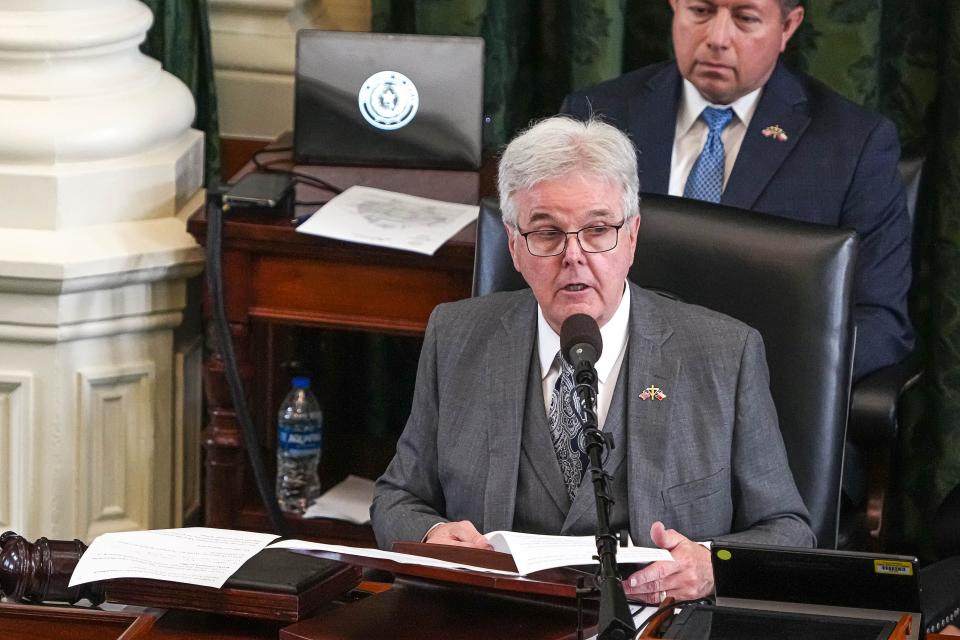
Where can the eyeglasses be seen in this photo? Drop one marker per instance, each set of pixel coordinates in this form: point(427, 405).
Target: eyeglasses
point(552, 242)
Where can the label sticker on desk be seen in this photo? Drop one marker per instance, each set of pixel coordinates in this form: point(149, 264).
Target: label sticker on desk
point(893, 567)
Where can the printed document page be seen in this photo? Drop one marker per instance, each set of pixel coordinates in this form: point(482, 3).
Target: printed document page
point(193, 555)
point(389, 219)
point(402, 558)
point(532, 552)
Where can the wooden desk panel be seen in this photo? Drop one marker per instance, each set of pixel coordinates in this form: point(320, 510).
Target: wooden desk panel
point(34, 622)
point(414, 610)
point(187, 625)
point(373, 297)
point(275, 276)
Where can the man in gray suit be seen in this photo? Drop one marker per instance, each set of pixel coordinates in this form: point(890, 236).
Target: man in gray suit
point(683, 391)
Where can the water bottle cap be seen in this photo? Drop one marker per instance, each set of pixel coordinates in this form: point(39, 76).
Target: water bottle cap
point(301, 382)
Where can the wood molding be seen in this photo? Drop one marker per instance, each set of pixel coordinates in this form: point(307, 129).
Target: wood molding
point(236, 152)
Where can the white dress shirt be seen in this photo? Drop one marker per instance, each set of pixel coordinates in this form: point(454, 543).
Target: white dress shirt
point(614, 336)
point(691, 134)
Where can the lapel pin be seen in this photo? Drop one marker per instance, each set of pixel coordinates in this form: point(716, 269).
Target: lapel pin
point(653, 393)
point(774, 131)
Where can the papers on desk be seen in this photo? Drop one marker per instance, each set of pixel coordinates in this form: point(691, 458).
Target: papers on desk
point(194, 555)
point(350, 500)
point(402, 558)
point(207, 557)
point(388, 219)
point(532, 552)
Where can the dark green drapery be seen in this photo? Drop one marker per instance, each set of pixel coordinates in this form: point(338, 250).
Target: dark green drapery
point(180, 40)
point(900, 57)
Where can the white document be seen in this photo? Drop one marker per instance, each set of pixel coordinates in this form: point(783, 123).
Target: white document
point(388, 219)
point(350, 500)
point(532, 552)
point(196, 555)
point(402, 558)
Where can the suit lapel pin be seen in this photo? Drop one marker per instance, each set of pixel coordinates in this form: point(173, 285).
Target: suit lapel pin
point(653, 393)
point(774, 131)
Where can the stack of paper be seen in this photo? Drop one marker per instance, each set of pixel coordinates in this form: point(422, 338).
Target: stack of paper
point(193, 555)
point(530, 552)
point(350, 500)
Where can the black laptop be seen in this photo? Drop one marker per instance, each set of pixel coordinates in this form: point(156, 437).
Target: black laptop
point(388, 100)
point(785, 592)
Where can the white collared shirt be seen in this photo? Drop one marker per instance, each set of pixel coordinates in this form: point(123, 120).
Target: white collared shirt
point(614, 335)
point(691, 133)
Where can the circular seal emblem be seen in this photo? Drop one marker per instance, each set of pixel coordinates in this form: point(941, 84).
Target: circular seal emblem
point(388, 100)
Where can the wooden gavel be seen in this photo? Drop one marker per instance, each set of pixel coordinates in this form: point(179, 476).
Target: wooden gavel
point(41, 571)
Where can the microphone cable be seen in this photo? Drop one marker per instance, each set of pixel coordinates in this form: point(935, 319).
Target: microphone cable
point(214, 211)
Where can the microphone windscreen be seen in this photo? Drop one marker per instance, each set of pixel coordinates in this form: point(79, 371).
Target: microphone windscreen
point(580, 329)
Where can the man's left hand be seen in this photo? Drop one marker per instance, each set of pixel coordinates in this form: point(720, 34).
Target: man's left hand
point(688, 577)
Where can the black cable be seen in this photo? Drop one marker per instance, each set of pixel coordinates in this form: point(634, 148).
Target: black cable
point(304, 177)
point(225, 343)
point(259, 152)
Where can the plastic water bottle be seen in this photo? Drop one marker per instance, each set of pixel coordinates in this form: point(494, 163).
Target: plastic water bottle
point(299, 442)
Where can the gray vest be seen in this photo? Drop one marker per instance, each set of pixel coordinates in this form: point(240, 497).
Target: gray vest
point(542, 504)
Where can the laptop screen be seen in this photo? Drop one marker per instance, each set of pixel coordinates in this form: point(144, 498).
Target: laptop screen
point(388, 100)
point(816, 576)
point(718, 623)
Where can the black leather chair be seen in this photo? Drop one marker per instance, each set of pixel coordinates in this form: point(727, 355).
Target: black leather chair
point(877, 418)
point(791, 281)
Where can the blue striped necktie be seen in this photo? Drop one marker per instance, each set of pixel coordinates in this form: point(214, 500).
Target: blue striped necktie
point(706, 178)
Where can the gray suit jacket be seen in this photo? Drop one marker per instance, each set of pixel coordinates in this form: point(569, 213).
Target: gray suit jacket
point(708, 460)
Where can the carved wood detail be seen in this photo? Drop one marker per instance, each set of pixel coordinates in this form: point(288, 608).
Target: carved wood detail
point(40, 571)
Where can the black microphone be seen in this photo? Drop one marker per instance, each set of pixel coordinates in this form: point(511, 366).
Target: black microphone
point(581, 345)
point(580, 341)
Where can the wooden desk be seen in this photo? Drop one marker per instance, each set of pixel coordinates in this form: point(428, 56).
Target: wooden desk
point(45, 622)
point(434, 602)
point(403, 610)
point(275, 277)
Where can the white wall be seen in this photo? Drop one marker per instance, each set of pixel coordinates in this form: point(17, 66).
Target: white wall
point(254, 52)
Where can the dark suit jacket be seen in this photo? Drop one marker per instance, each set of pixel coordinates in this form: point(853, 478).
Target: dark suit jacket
point(838, 167)
point(708, 460)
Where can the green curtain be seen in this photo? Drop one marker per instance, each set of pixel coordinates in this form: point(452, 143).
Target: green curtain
point(899, 57)
point(932, 453)
point(180, 40)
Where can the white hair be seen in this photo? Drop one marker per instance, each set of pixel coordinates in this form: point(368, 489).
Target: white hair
point(562, 146)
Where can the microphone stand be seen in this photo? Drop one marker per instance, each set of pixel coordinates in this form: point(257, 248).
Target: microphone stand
point(614, 621)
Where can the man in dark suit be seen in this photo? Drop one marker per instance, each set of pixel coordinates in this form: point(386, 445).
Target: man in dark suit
point(728, 122)
point(493, 440)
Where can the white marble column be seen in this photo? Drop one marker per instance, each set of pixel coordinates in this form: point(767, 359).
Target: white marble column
point(99, 169)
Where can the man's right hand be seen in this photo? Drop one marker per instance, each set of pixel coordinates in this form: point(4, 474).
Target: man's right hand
point(461, 534)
